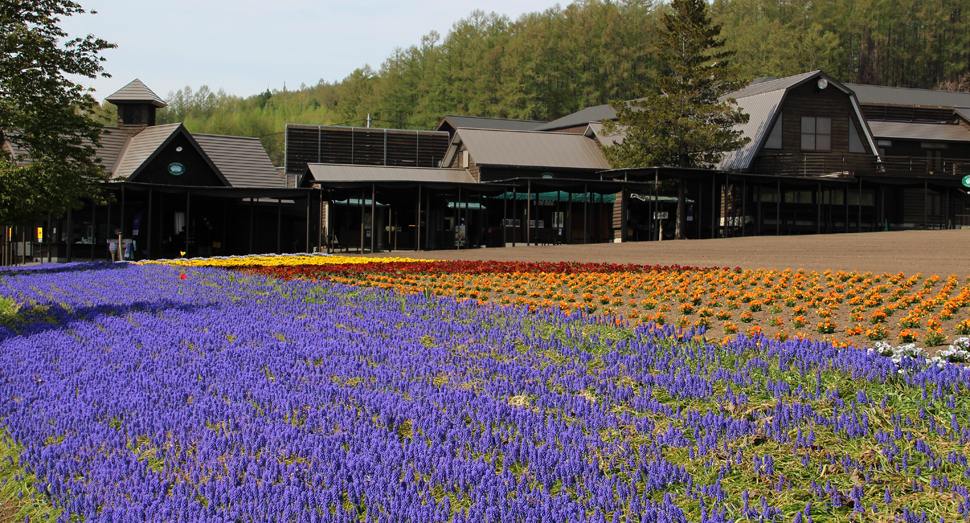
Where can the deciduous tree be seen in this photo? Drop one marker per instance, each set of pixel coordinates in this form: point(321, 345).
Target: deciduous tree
point(45, 115)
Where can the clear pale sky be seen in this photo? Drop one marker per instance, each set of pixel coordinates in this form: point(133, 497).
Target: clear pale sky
point(247, 46)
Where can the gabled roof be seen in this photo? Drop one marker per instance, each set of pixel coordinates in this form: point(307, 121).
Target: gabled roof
point(595, 130)
point(141, 148)
point(776, 84)
point(237, 161)
point(243, 161)
point(480, 122)
point(136, 92)
point(762, 102)
point(935, 132)
point(878, 94)
point(331, 172)
point(113, 142)
point(596, 113)
point(762, 110)
point(528, 149)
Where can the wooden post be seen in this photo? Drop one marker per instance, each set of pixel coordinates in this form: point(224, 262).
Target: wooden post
point(323, 228)
point(505, 216)
point(528, 213)
point(585, 213)
point(188, 219)
point(925, 197)
point(308, 220)
point(69, 244)
point(700, 206)
point(515, 208)
point(121, 222)
point(778, 210)
point(859, 225)
point(148, 227)
point(569, 219)
point(224, 232)
point(279, 224)
point(360, 249)
point(945, 223)
point(845, 191)
point(744, 207)
point(456, 216)
point(373, 202)
point(417, 223)
point(108, 229)
point(818, 209)
point(714, 206)
point(250, 225)
point(458, 239)
point(760, 228)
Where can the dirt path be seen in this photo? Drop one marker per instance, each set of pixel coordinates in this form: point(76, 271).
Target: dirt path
point(927, 252)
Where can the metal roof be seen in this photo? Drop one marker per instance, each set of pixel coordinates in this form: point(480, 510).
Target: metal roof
point(767, 86)
point(329, 172)
point(136, 92)
point(141, 147)
point(963, 112)
point(762, 102)
point(596, 113)
point(878, 94)
point(15, 149)
point(919, 131)
point(761, 110)
point(595, 130)
point(113, 142)
point(243, 161)
point(480, 122)
point(529, 149)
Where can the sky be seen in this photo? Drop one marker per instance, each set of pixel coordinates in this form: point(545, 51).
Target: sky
point(247, 46)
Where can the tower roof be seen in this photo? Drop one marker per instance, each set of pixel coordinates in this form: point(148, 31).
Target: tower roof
point(136, 92)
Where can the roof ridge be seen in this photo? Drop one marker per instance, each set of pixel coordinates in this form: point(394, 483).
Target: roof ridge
point(362, 166)
point(136, 91)
point(907, 88)
point(532, 131)
point(495, 118)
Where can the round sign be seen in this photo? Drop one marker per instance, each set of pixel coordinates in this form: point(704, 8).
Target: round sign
point(966, 181)
point(176, 169)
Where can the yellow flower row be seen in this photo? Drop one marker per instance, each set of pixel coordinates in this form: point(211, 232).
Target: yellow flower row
point(272, 261)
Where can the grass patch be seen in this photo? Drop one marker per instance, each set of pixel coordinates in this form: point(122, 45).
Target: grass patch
point(19, 499)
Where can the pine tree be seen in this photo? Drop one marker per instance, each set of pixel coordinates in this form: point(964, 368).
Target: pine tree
point(682, 121)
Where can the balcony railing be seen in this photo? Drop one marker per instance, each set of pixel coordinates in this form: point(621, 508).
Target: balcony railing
point(917, 165)
point(814, 164)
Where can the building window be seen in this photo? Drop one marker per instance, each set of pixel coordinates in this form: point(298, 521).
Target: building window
point(816, 133)
point(131, 114)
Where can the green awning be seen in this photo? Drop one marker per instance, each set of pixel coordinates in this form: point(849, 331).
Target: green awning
point(562, 196)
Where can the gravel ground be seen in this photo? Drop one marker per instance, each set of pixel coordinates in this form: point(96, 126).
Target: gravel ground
point(927, 252)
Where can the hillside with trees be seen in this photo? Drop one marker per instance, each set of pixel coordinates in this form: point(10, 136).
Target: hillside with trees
point(548, 64)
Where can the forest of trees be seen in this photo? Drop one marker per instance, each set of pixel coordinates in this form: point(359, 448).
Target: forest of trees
point(545, 65)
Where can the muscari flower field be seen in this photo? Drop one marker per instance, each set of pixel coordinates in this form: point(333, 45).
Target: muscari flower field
point(347, 389)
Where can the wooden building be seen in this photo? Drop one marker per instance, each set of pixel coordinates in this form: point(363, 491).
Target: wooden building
point(175, 192)
point(827, 157)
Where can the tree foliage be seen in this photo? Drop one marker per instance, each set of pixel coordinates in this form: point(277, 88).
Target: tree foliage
point(900, 43)
point(682, 121)
point(547, 64)
point(44, 114)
